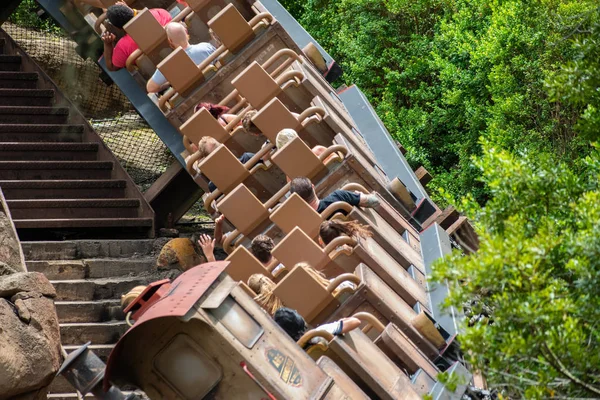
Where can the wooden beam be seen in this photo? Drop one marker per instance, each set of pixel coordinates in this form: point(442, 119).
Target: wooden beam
point(423, 175)
point(172, 195)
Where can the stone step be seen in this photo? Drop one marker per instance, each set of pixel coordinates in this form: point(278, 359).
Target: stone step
point(96, 289)
point(48, 151)
point(26, 97)
point(89, 311)
point(64, 189)
point(67, 396)
point(61, 386)
point(53, 170)
point(10, 63)
point(87, 249)
point(101, 350)
point(73, 208)
point(95, 332)
point(33, 115)
point(92, 268)
point(18, 80)
point(40, 132)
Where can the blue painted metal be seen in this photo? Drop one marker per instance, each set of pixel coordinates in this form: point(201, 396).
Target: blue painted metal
point(136, 95)
point(380, 141)
point(435, 243)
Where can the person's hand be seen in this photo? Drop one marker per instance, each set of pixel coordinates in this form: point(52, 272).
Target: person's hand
point(207, 244)
point(121, 3)
point(108, 38)
point(220, 219)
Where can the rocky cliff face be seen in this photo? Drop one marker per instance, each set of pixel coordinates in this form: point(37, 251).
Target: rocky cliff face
point(29, 332)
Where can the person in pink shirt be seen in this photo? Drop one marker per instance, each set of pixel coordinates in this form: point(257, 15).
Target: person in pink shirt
point(117, 52)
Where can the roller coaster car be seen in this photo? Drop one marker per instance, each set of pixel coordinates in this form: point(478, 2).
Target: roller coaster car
point(204, 336)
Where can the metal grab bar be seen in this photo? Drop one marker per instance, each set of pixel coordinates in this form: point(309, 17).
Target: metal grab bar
point(313, 333)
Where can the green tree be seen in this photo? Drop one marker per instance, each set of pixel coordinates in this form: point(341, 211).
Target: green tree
point(532, 291)
point(442, 74)
point(579, 80)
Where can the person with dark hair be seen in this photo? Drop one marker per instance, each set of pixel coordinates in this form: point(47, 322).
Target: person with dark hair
point(295, 326)
point(177, 35)
point(335, 228)
point(116, 53)
point(219, 112)
point(261, 248)
point(306, 190)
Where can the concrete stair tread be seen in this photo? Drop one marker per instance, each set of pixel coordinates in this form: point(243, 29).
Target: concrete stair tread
point(92, 268)
point(40, 128)
point(89, 311)
point(99, 288)
point(87, 249)
point(95, 332)
point(83, 223)
point(45, 146)
point(10, 92)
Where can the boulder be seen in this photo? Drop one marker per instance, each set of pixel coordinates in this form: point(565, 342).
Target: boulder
point(29, 352)
point(10, 248)
point(179, 253)
point(26, 282)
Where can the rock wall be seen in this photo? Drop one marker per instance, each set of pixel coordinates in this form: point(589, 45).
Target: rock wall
point(29, 331)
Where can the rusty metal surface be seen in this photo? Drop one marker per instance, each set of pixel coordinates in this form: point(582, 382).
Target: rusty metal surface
point(185, 291)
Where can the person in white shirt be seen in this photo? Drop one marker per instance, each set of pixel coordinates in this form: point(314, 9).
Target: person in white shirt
point(295, 326)
point(178, 37)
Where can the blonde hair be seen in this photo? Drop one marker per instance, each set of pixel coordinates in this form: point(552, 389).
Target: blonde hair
point(248, 125)
point(263, 287)
point(284, 137)
point(319, 276)
point(204, 143)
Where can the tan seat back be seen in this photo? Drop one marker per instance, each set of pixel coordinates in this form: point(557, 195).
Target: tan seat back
point(231, 28)
point(146, 31)
point(202, 123)
point(300, 291)
point(242, 264)
point(341, 379)
point(296, 159)
point(223, 169)
point(243, 210)
point(256, 85)
point(274, 117)
point(298, 247)
point(180, 71)
point(295, 212)
point(362, 357)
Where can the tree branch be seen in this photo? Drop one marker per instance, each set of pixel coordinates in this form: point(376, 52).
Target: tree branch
point(559, 366)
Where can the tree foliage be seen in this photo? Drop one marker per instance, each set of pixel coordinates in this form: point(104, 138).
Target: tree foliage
point(444, 73)
point(533, 288)
point(500, 99)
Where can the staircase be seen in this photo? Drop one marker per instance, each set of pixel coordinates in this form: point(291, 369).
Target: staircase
point(90, 277)
point(58, 177)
